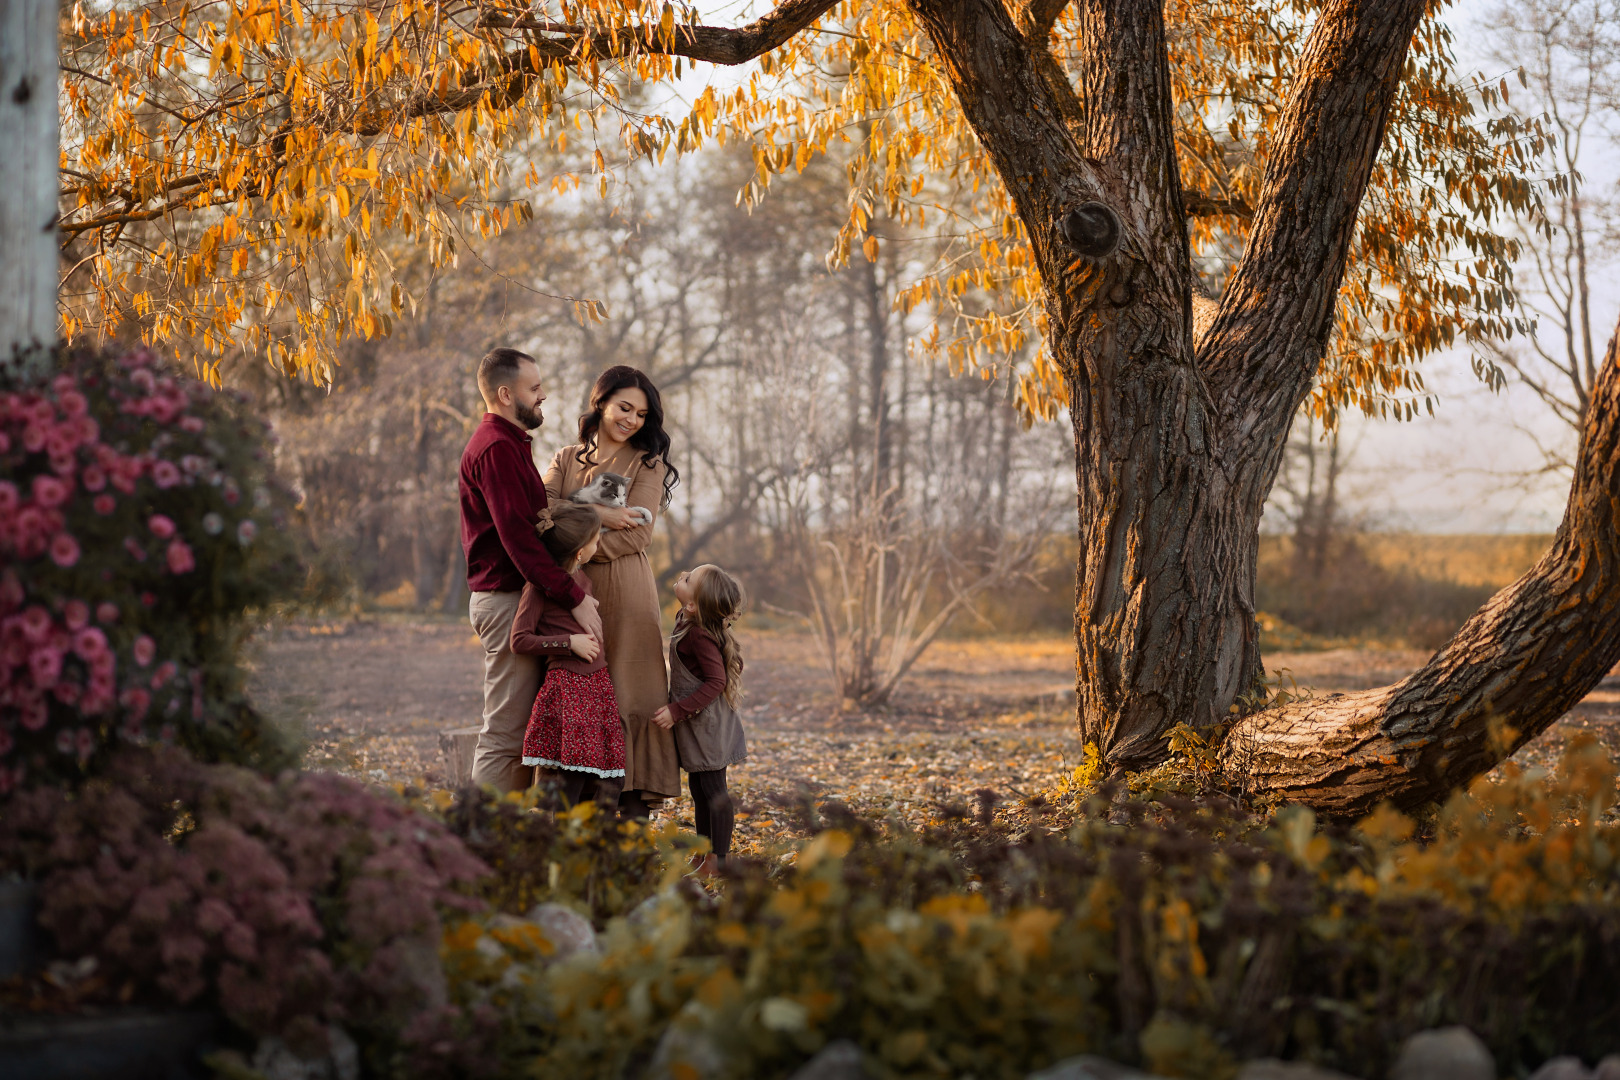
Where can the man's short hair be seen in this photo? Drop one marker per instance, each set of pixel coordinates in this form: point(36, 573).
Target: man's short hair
point(498, 368)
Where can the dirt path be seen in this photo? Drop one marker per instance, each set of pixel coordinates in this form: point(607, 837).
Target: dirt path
point(373, 696)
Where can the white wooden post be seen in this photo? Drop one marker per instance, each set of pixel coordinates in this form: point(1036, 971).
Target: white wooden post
point(28, 181)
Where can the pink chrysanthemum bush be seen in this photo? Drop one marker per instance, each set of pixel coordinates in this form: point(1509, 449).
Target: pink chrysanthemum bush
point(287, 904)
point(140, 528)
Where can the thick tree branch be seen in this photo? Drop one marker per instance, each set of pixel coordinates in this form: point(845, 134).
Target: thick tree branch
point(1520, 663)
point(713, 44)
point(1129, 124)
point(1036, 17)
point(1277, 312)
point(1197, 205)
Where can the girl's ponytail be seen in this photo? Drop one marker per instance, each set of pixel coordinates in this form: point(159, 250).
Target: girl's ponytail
point(565, 527)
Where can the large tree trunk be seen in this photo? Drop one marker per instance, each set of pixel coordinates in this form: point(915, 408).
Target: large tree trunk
point(1520, 663)
point(1177, 442)
point(28, 183)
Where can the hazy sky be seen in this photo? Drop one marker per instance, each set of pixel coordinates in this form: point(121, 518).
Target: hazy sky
point(1470, 469)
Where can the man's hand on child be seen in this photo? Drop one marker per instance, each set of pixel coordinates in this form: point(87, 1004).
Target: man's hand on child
point(584, 646)
point(664, 718)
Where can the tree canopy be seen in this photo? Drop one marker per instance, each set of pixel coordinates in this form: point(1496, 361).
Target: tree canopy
point(260, 175)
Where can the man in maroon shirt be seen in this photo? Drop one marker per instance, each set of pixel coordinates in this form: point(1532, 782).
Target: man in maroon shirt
point(501, 493)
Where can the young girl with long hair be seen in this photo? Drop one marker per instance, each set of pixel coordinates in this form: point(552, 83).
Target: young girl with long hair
point(705, 688)
point(575, 736)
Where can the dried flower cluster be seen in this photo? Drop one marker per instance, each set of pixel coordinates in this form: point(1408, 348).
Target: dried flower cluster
point(289, 904)
point(131, 509)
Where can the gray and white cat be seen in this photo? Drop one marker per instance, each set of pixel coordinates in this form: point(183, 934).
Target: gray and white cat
point(610, 489)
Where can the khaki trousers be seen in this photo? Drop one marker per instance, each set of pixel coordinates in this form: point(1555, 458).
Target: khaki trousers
point(511, 683)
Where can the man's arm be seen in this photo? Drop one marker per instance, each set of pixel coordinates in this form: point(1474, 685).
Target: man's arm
point(509, 484)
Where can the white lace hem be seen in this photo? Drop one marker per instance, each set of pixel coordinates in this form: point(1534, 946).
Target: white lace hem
point(548, 763)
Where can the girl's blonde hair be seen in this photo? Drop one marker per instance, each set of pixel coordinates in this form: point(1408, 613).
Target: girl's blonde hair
point(719, 598)
point(565, 528)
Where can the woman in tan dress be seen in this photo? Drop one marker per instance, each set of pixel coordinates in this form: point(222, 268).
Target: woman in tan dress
point(624, 433)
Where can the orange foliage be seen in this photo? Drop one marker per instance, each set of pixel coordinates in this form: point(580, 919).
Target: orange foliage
point(239, 172)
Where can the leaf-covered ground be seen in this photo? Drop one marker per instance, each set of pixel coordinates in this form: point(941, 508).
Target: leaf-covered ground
point(975, 715)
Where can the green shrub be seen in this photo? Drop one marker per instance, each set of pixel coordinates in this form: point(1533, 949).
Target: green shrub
point(140, 530)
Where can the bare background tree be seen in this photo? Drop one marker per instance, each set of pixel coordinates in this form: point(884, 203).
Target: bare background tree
point(1568, 54)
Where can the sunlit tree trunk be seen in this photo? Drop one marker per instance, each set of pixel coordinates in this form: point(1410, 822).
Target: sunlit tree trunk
point(28, 183)
point(1177, 441)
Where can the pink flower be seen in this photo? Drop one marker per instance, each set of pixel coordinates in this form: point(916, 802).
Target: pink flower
point(62, 440)
point(232, 493)
point(34, 713)
point(165, 474)
point(181, 561)
point(64, 741)
point(67, 693)
point(33, 438)
point(193, 424)
point(246, 531)
point(36, 625)
point(144, 380)
point(76, 613)
point(148, 599)
point(90, 643)
point(131, 731)
point(89, 431)
point(64, 550)
point(164, 673)
point(107, 612)
point(49, 491)
point(85, 742)
point(94, 478)
point(11, 591)
point(5, 442)
point(135, 550)
point(137, 701)
point(104, 504)
point(192, 464)
point(63, 384)
point(145, 650)
point(72, 403)
point(9, 497)
point(45, 665)
point(6, 742)
point(162, 526)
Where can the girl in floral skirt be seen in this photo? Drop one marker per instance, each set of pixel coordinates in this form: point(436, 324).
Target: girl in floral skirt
point(575, 735)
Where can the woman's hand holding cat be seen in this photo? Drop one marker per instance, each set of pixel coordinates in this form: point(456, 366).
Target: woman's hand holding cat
point(621, 517)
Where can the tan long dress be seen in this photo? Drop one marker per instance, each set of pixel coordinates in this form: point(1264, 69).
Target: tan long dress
point(622, 580)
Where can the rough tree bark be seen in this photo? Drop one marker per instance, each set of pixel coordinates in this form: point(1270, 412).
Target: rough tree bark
point(28, 182)
point(1176, 444)
point(1520, 663)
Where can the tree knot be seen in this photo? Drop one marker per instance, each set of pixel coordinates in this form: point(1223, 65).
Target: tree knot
point(1092, 229)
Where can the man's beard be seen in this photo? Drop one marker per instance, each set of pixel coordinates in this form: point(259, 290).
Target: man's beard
point(529, 418)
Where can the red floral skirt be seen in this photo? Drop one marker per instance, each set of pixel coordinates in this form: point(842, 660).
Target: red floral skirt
point(575, 725)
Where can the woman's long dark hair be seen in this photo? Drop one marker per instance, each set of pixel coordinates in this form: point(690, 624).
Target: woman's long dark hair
point(652, 440)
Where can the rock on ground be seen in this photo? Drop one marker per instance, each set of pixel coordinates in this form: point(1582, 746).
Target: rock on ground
point(1451, 1053)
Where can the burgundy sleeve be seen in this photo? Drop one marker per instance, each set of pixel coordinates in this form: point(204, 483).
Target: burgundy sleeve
point(711, 666)
point(512, 490)
point(524, 638)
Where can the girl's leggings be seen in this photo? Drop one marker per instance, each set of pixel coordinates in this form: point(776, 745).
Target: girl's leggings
point(716, 816)
point(573, 785)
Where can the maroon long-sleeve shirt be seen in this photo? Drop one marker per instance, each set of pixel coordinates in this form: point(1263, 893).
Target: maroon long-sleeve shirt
point(542, 627)
point(702, 656)
point(501, 493)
